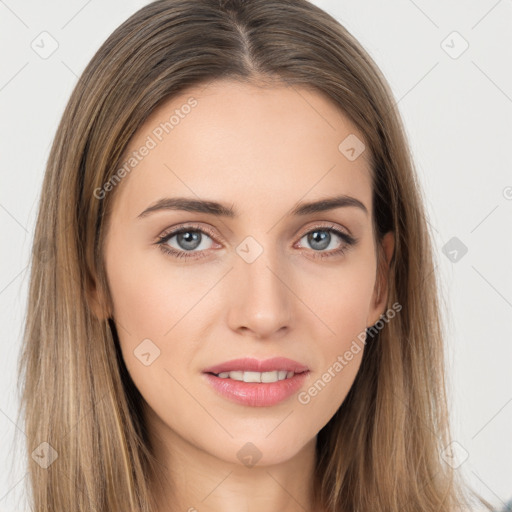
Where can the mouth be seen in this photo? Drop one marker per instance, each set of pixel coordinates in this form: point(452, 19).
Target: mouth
point(264, 377)
point(255, 383)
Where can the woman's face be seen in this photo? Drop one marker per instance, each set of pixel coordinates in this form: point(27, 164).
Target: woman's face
point(255, 272)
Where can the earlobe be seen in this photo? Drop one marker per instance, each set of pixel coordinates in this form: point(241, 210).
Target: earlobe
point(380, 292)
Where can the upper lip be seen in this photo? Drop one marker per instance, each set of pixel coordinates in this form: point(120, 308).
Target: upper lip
point(249, 364)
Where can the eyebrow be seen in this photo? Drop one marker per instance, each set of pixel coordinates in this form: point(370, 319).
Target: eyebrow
point(223, 210)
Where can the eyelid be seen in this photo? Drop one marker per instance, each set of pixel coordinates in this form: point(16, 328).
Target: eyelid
point(168, 233)
point(328, 226)
point(209, 231)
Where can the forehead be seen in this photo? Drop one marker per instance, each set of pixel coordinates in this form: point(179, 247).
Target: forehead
point(248, 145)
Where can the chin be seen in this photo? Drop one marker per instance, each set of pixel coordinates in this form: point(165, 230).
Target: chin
point(260, 449)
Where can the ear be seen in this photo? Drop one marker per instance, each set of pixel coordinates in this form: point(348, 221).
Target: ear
point(96, 300)
point(380, 291)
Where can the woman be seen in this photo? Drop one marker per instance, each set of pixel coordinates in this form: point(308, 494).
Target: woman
point(236, 307)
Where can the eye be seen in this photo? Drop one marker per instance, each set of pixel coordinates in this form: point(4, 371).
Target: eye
point(321, 238)
point(187, 239)
point(194, 241)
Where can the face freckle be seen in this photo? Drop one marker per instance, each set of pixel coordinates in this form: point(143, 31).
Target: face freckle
point(254, 291)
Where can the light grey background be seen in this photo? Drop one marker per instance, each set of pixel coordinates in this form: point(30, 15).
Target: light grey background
point(457, 111)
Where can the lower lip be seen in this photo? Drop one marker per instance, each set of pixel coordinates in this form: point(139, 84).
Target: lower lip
point(257, 394)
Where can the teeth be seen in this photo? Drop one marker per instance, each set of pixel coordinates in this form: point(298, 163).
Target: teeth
point(257, 376)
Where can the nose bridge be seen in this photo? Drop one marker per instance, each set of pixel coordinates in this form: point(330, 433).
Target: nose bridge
point(261, 300)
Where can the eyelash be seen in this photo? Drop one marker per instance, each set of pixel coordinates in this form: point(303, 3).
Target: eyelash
point(163, 239)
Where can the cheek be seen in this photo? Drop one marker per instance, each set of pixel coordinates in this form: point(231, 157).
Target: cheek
point(342, 303)
point(138, 301)
point(150, 295)
point(152, 300)
point(340, 297)
point(150, 313)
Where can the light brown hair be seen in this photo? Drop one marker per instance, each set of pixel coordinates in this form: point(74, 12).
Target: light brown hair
point(382, 449)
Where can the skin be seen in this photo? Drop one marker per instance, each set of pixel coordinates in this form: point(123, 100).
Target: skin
point(260, 150)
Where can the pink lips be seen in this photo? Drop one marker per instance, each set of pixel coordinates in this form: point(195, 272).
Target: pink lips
point(257, 394)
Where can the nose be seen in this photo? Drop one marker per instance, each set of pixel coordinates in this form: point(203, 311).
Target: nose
point(261, 300)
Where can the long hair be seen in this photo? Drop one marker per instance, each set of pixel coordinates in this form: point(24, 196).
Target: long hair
point(383, 449)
